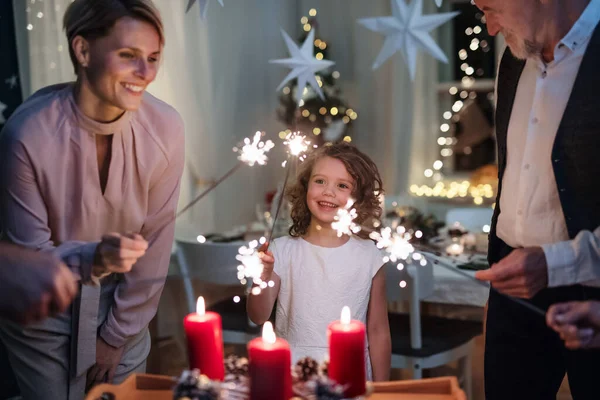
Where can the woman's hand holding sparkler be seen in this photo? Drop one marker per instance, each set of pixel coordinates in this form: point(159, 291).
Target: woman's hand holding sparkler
point(118, 253)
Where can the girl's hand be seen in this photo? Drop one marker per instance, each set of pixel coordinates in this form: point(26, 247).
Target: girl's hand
point(268, 262)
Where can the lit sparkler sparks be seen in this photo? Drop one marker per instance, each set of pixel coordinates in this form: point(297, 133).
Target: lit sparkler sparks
point(344, 220)
point(251, 266)
point(396, 244)
point(297, 145)
point(254, 152)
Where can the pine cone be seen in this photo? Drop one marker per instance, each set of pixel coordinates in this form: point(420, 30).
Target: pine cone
point(237, 389)
point(306, 369)
point(329, 390)
point(235, 367)
point(324, 368)
point(193, 386)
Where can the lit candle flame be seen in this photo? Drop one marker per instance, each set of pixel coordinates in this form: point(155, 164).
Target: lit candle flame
point(268, 335)
point(200, 306)
point(254, 152)
point(345, 317)
point(344, 220)
point(455, 249)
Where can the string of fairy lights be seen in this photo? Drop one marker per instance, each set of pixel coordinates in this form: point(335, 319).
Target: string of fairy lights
point(442, 188)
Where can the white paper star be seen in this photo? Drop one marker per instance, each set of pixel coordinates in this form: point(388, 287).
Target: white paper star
point(12, 81)
point(438, 3)
point(407, 30)
point(2, 108)
point(303, 63)
point(203, 4)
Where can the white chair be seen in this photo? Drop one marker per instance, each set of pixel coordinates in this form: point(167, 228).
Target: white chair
point(215, 263)
point(422, 342)
point(472, 218)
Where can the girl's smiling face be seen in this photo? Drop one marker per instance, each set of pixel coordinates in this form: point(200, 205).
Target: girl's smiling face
point(329, 188)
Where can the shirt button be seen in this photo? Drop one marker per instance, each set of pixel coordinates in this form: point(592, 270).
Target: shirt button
point(544, 74)
point(526, 166)
point(562, 189)
point(519, 213)
point(534, 120)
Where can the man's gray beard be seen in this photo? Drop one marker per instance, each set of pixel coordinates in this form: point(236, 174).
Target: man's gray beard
point(525, 49)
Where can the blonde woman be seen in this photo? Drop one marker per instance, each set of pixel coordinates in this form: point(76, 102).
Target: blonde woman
point(82, 161)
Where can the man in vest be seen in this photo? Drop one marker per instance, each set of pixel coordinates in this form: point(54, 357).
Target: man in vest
point(545, 236)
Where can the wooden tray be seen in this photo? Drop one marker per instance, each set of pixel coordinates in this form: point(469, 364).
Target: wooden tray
point(157, 387)
point(446, 388)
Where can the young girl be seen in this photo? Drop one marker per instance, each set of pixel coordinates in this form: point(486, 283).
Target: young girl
point(316, 273)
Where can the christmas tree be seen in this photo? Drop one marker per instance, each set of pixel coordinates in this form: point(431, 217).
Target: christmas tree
point(325, 120)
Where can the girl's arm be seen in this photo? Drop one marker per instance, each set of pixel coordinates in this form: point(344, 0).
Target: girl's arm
point(378, 329)
point(259, 306)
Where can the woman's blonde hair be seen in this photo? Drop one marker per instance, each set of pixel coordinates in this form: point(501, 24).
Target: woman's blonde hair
point(93, 19)
point(367, 187)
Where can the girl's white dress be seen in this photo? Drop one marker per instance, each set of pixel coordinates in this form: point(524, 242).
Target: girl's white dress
point(316, 283)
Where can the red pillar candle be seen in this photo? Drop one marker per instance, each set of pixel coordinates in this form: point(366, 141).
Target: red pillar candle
point(204, 334)
point(347, 354)
point(269, 367)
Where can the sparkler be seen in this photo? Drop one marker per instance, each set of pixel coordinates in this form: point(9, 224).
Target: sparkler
point(344, 220)
point(396, 244)
point(251, 266)
point(297, 145)
point(252, 152)
point(455, 270)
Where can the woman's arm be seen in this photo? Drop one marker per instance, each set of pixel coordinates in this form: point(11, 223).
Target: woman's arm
point(23, 213)
point(24, 219)
point(137, 296)
point(378, 329)
point(260, 306)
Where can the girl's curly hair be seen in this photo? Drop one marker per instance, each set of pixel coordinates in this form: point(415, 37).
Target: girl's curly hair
point(367, 187)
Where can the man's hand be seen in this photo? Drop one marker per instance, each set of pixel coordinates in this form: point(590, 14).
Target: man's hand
point(523, 273)
point(107, 360)
point(117, 253)
point(577, 323)
point(35, 285)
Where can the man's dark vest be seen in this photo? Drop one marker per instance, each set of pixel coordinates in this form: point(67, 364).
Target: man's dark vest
point(576, 149)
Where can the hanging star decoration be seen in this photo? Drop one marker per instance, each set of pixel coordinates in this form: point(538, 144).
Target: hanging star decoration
point(203, 4)
point(12, 82)
point(407, 30)
point(438, 3)
point(2, 108)
point(303, 63)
